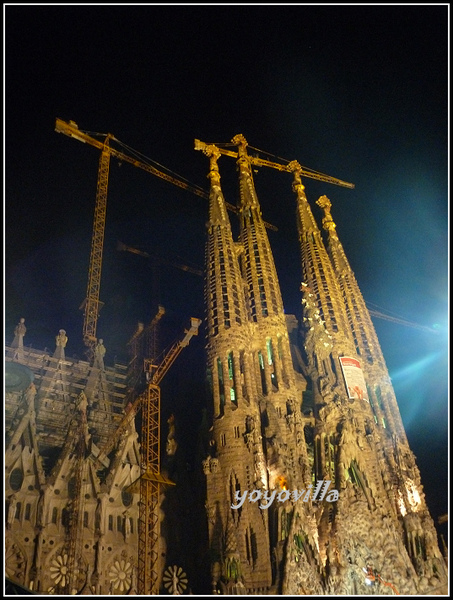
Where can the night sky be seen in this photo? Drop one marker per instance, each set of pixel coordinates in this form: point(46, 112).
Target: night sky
point(356, 92)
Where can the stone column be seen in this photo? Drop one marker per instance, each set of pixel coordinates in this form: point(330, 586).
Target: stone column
point(237, 376)
point(215, 388)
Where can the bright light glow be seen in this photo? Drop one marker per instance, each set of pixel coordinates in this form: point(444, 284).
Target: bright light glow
point(416, 379)
point(401, 505)
point(415, 369)
point(281, 481)
point(412, 495)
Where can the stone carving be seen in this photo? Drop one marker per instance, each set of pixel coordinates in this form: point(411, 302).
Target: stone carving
point(61, 339)
point(18, 342)
point(172, 444)
point(99, 353)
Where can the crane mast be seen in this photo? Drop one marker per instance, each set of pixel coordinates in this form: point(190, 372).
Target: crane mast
point(91, 304)
point(155, 374)
point(151, 478)
point(71, 130)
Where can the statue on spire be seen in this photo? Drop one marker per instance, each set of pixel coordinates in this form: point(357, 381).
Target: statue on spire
point(60, 340)
point(18, 342)
point(99, 353)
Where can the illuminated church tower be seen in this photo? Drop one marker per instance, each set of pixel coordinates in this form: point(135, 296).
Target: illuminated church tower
point(278, 426)
point(257, 434)
point(381, 394)
point(381, 519)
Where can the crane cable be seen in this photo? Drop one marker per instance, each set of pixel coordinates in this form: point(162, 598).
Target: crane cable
point(142, 157)
point(269, 154)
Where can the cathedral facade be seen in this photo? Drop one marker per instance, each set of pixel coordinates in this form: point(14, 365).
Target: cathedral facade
point(71, 523)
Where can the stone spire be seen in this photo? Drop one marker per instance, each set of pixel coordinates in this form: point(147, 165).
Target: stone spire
point(318, 273)
point(236, 447)
point(380, 389)
point(335, 249)
point(362, 328)
point(258, 266)
point(227, 324)
point(224, 288)
point(262, 289)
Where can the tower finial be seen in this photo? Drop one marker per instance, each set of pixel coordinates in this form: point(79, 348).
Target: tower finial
point(296, 169)
point(327, 222)
point(213, 153)
point(239, 140)
point(241, 143)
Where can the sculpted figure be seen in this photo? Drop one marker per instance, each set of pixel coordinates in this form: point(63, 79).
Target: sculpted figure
point(61, 339)
point(99, 353)
point(100, 349)
point(18, 342)
point(19, 331)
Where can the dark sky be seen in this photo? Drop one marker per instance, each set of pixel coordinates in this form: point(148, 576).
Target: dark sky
point(357, 92)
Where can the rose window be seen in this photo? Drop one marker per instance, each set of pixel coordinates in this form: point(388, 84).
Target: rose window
point(121, 575)
point(59, 571)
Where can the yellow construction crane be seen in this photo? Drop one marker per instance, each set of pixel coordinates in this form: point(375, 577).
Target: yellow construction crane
point(151, 478)
point(260, 162)
point(125, 248)
point(92, 305)
point(143, 344)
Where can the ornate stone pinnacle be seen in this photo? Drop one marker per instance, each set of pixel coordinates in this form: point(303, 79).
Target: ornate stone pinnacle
point(209, 150)
point(294, 166)
point(239, 140)
point(325, 204)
